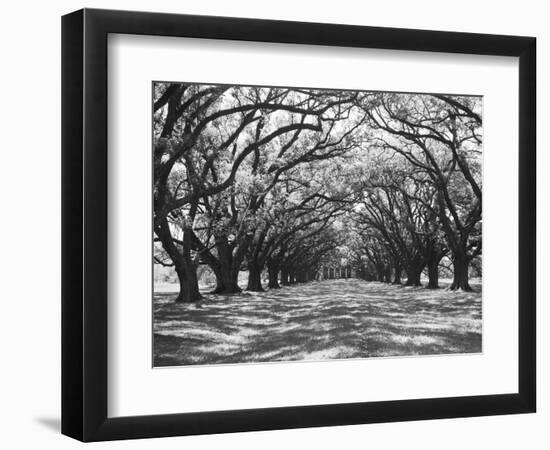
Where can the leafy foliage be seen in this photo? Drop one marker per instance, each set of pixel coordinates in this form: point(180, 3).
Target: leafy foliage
point(294, 179)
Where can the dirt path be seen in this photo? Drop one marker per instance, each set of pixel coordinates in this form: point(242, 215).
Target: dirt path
point(320, 320)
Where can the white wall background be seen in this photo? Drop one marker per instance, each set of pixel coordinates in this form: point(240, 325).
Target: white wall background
point(30, 225)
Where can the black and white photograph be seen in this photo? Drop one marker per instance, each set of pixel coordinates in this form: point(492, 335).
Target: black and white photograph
point(259, 225)
point(307, 224)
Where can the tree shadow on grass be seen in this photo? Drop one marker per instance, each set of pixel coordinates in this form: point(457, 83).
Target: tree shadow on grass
point(321, 320)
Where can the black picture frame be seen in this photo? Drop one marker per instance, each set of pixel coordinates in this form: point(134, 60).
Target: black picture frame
point(84, 224)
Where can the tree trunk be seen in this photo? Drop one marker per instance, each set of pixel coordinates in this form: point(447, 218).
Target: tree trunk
point(226, 281)
point(413, 275)
point(230, 257)
point(397, 273)
point(433, 274)
point(273, 273)
point(226, 269)
point(460, 276)
point(291, 277)
point(301, 276)
point(183, 264)
point(254, 277)
point(189, 285)
point(285, 277)
point(387, 274)
point(380, 273)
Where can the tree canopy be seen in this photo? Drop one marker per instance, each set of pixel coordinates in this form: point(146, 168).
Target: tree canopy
point(291, 181)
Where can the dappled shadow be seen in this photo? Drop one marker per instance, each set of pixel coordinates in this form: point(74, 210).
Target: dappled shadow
point(330, 319)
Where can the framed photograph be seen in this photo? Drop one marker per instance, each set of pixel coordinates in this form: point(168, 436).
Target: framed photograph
point(273, 224)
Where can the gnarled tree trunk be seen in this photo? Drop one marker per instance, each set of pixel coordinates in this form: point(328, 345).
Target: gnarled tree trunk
point(460, 273)
point(226, 268)
point(189, 286)
point(414, 273)
point(183, 264)
point(226, 281)
point(254, 276)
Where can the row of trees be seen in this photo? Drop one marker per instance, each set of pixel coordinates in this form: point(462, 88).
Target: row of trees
point(284, 180)
point(423, 200)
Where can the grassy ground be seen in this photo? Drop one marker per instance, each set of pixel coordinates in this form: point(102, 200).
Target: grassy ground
point(331, 319)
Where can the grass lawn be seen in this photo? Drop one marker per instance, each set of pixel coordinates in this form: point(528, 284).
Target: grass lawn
point(331, 319)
